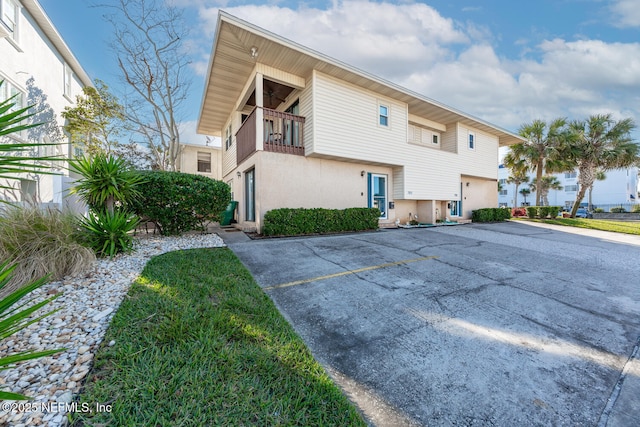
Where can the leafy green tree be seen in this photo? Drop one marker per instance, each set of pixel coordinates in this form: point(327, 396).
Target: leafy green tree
point(540, 154)
point(599, 143)
point(96, 121)
point(547, 182)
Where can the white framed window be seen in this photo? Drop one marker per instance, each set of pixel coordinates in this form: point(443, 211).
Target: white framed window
point(68, 79)
point(204, 162)
point(471, 142)
point(383, 115)
point(228, 137)
point(570, 175)
point(504, 192)
point(9, 90)
point(10, 18)
point(570, 188)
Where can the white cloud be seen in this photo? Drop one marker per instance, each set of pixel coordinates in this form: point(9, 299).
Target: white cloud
point(455, 63)
point(626, 13)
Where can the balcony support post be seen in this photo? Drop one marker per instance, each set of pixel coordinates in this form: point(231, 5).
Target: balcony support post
point(259, 112)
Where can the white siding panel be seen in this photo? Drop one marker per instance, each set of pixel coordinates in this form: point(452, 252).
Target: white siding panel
point(481, 161)
point(306, 111)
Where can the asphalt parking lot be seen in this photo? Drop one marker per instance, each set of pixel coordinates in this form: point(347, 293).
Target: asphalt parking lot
point(499, 324)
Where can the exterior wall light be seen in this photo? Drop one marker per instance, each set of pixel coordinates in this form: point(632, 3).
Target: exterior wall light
point(239, 174)
point(362, 173)
point(254, 52)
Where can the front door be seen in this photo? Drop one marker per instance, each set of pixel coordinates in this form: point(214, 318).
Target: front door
point(378, 193)
point(250, 195)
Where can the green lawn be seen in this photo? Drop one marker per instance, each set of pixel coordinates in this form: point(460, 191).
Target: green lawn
point(198, 343)
point(626, 227)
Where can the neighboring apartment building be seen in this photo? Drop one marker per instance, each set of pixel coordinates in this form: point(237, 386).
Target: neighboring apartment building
point(300, 129)
point(620, 187)
point(201, 160)
point(39, 67)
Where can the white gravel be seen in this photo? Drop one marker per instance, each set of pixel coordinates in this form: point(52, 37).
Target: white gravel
point(87, 304)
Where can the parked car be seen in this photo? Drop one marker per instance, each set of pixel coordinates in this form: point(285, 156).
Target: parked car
point(583, 213)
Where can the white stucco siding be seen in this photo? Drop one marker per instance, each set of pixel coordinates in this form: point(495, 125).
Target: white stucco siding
point(482, 160)
point(346, 123)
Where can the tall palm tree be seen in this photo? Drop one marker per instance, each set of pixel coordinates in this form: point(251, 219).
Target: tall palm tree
point(540, 153)
point(599, 144)
point(547, 183)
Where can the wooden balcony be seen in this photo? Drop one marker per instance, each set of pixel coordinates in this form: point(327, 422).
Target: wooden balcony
point(282, 133)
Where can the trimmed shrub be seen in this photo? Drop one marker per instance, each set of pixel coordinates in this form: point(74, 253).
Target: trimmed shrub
point(490, 214)
point(635, 209)
point(532, 211)
point(618, 209)
point(598, 210)
point(291, 222)
point(554, 211)
point(41, 242)
point(178, 202)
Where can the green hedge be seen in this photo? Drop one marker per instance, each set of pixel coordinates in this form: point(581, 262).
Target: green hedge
point(289, 222)
point(543, 211)
point(179, 202)
point(490, 214)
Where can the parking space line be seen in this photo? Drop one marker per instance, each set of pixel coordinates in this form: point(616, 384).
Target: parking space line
point(345, 273)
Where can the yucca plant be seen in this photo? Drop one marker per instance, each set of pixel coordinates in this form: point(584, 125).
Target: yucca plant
point(106, 181)
point(109, 233)
point(14, 317)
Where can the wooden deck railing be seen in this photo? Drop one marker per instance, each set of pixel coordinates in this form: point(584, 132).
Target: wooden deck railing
point(282, 133)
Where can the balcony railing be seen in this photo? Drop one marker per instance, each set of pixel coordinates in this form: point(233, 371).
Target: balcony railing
point(282, 133)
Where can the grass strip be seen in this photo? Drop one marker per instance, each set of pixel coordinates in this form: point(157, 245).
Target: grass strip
point(197, 343)
point(626, 227)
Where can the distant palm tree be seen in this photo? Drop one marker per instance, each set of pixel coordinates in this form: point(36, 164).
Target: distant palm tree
point(525, 192)
point(599, 144)
point(540, 153)
point(517, 177)
point(548, 182)
point(600, 176)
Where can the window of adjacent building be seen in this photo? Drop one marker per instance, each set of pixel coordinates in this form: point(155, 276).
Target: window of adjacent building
point(472, 141)
point(383, 114)
point(570, 175)
point(504, 192)
point(68, 78)
point(28, 190)
point(435, 138)
point(10, 14)
point(204, 162)
point(228, 137)
point(8, 90)
point(570, 188)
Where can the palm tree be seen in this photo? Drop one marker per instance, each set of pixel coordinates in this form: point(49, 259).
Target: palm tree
point(517, 177)
point(525, 192)
point(548, 182)
point(599, 144)
point(540, 153)
point(600, 176)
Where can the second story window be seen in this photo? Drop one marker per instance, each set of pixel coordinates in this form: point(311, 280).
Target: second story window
point(472, 141)
point(570, 175)
point(228, 138)
point(204, 162)
point(10, 13)
point(383, 112)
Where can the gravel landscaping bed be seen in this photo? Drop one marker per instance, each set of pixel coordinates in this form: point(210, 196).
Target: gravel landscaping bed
point(86, 306)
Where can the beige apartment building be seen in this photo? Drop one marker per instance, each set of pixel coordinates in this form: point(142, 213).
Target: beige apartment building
point(300, 129)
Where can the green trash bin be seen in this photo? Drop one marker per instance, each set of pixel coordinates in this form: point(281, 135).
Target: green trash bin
point(227, 216)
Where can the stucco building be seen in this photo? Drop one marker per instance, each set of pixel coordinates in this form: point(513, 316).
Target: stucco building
point(41, 70)
point(300, 129)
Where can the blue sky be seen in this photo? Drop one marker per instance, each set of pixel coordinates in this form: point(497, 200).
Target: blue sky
point(508, 62)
